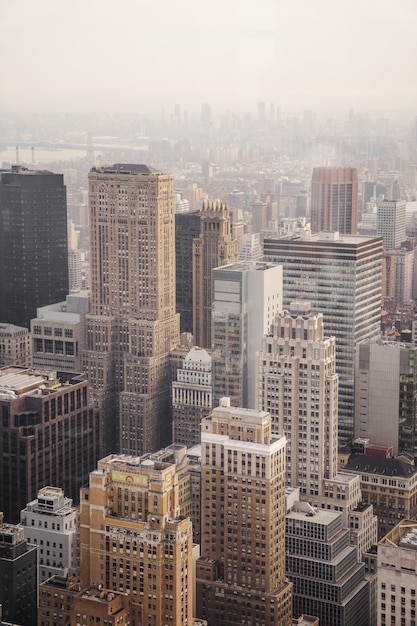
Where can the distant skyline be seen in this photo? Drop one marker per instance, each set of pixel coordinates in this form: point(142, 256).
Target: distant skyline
point(77, 56)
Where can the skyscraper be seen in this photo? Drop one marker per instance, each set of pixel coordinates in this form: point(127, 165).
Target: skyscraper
point(390, 222)
point(33, 243)
point(187, 228)
point(214, 248)
point(132, 325)
point(334, 199)
point(341, 277)
point(246, 297)
point(134, 540)
point(298, 385)
point(241, 571)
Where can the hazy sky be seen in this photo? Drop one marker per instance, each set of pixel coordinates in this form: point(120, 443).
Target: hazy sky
point(137, 55)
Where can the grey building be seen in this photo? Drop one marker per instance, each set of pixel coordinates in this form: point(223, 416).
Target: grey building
point(341, 277)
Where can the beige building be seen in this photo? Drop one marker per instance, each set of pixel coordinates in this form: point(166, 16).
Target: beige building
point(241, 573)
point(134, 540)
point(397, 576)
point(214, 248)
point(15, 345)
point(298, 385)
point(132, 325)
point(390, 485)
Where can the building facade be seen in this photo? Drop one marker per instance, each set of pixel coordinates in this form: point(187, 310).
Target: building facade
point(132, 325)
point(51, 434)
point(246, 298)
point(334, 199)
point(50, 523)
point(397, 575)
point(327, 579)
point(240, 575)
point(18, 576)
point(213, 248)
point(15, 345)
point(298, 385)
point(386, 395)
point(33, 242)
point(134, 540)
point(191, 397)
point(390, 222)
point(187, 228)
point(58, 333)
point(341, 278)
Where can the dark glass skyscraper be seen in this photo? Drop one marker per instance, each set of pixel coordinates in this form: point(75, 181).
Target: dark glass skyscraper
point(33, 242)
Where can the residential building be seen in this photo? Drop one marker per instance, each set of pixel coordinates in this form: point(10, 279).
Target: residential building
point(33, 242)
point(187, 228)
point(386, 395)
point(213, 248)
point(191, 397)
point(240, 575)
point(134, 540)
point(50, 523)
point(15, 345)
point(341, 278)
point(51, 434)
point(327, 579)
point(58, 333)
point(397, 575)
point(18, 576)
point(334, 199)
point(246, 298)
point(132, 325)
point(390, 485)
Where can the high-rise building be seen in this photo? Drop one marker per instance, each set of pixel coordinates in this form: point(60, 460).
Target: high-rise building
point(191, 397)
point(334, 199)
point(187, 228)
point(18, 576)
point(386, 395)
point(341, 277)
point(134, 540)
point(15, 345)
point(132, 325)
point(246, 298)
point(241, 571)
point(50, 523)
point(298, 385)
point(328, 581)
point(33, 242)
point(214, 248)
point(390, 222)
point(51, 434)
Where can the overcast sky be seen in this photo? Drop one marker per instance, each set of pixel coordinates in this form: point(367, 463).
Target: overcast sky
point(141, 55)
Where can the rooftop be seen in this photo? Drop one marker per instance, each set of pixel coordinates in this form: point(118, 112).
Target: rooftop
point(370, 464)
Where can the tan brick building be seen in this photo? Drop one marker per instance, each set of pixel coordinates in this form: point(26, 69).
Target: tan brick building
point(134, 540)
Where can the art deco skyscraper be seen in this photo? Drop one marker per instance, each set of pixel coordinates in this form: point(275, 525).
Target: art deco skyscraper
point(33, 243)
point(298, 385)
point(241, 572)
point(214, 248)
point(132, 325)
point(334, 199)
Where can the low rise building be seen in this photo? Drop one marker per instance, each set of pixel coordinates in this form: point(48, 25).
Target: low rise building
point(50, 523)
point(15, 345)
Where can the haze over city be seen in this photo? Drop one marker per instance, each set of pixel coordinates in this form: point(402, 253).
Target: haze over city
point(76, 56)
